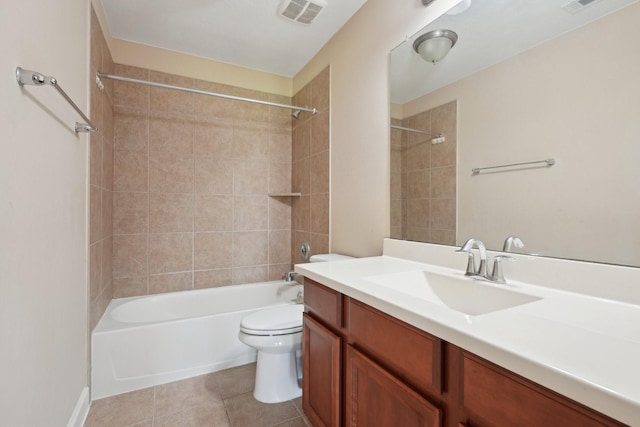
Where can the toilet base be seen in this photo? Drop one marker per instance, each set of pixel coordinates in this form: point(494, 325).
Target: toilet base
point(276, 377)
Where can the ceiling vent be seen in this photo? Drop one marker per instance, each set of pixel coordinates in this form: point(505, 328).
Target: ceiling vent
point(303, 11)
point(576, 6)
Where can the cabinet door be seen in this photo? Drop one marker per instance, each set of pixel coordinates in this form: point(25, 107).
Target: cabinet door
point(321, 374)
point(374, 397)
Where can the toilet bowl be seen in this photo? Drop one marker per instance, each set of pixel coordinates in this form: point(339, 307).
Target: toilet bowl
point(276, 333)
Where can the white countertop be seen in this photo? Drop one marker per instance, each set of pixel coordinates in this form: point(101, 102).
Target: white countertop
point(582, 346)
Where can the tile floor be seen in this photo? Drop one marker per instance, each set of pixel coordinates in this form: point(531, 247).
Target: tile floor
point(220, 399)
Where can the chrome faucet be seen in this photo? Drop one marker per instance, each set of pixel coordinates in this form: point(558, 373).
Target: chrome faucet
point(512, 241)
point(496, 275)
point(481, 271)
point(291, 277)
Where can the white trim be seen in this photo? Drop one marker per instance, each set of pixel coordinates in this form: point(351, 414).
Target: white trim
point(81, 410)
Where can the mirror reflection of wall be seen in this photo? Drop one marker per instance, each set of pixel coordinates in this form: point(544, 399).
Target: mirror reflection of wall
point(423, 176)
point(561, 99)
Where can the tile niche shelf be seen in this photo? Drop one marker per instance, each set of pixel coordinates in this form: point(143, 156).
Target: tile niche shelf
point(284, 194)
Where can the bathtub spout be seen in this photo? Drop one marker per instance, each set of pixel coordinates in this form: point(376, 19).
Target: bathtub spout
point(292, 276)
point(291, 279)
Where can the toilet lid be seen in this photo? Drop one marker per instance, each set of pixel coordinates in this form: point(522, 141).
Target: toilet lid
point(280, 320)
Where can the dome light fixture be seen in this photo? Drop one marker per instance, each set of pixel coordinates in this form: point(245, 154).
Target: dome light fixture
point(435, 45)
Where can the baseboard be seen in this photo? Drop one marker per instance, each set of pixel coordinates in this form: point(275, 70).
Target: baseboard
point(81, 410)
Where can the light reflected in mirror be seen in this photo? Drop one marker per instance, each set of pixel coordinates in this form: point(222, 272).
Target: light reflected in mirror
point(574, 97)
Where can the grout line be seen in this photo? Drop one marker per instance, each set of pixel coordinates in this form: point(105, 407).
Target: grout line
point(153, 412)
point(193, 211)
point(148, 144)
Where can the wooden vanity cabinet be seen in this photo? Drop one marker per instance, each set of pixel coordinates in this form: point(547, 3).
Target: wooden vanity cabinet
point(492, 396)
point(364, 368)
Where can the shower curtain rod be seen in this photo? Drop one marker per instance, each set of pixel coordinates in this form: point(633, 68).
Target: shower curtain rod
point(436, 134)
point(100, 75)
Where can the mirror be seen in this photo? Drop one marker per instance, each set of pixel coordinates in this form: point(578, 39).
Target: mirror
point(532, 81)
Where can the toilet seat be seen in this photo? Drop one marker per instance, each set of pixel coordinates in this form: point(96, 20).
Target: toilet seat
point(279, 320)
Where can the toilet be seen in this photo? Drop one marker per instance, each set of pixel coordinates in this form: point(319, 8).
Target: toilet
point(276, 333)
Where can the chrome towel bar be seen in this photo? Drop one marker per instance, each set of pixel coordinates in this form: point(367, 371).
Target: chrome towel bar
point(27, 77)
point(549, 162)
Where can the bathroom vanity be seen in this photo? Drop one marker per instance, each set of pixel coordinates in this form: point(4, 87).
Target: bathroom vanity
point(379, 350)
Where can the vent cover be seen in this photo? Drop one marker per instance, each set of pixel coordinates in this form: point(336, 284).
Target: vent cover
point(576, 6)
point(303, 11)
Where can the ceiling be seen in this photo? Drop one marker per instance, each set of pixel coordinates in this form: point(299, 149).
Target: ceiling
point(489, 32)
point(247, 33)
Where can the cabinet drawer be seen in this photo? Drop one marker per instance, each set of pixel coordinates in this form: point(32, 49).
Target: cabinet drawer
point(409, 353)
point(323, 303)
point(497, 397)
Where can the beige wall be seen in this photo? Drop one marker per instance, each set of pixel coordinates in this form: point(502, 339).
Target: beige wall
point(359, 56)
point(198, 68)
point(191, 178)
point(557, 100)
point(43, 215)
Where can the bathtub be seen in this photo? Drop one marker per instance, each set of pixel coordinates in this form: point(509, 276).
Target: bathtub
point(144, 341)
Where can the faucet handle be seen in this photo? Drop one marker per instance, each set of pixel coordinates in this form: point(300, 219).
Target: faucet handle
point(497, 275)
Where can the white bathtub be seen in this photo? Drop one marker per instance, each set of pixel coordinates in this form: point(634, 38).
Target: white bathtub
point(150, 340)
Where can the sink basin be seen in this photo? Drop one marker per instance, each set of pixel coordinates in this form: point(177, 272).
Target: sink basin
point(461, 293)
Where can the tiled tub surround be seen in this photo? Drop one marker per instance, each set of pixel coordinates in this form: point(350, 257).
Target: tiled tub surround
point(100, 180)
point(310, 177)
point(191, 178)
point(580, 339)
point(423, 177)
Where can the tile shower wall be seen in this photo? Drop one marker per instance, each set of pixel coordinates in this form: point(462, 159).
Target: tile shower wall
point(423, 177)
point(100, 180)
point(396, 203)
point(191, 178)
point(310, 217)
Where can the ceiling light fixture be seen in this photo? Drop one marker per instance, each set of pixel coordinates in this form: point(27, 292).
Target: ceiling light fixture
point(435, 45)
